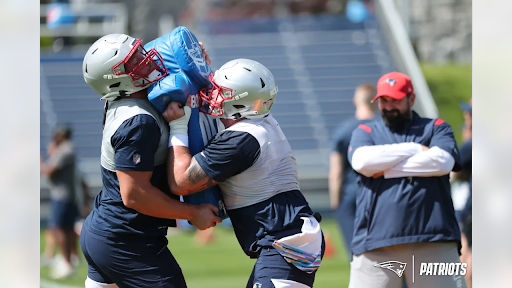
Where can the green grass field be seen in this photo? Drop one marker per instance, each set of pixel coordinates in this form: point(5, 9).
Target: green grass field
point(223, 264)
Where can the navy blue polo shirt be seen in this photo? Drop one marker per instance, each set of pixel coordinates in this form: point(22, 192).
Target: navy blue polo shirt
point(410, 209)
point(341, 141)
point(135, 144)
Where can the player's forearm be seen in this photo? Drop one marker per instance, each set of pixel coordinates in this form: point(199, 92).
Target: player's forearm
point(369, 160)
point(335, 178)
point(151, 201)
point(179, 160)
point(430, 163)
point(334, 190)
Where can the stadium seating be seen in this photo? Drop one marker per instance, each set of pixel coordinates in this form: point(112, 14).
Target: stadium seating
point(317, 63)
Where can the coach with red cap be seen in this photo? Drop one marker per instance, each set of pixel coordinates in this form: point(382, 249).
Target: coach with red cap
point(404, 208)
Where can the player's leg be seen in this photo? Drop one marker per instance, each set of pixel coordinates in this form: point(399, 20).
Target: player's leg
point(49, 247)
point(70, 234)
point(271, 270)
point(133, 262)
point(62, 223)
point(89, 283)
point(364, 274)
point(434, 252)
point(95, 277)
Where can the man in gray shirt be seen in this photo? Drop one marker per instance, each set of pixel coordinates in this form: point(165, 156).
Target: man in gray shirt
point(60, 172)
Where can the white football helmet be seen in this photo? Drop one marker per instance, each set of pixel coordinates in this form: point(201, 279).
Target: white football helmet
point(110, 69)
point(241, 88)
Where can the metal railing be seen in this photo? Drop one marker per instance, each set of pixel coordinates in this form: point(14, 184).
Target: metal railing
point(403, 55)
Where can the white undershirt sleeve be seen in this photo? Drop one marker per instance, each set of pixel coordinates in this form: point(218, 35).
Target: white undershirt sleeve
point(369, 160)
point(430, 163)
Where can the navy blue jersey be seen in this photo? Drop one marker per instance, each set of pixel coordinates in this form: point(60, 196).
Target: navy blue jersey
point(256, 225)
point(341, 141)
point(408, 209)
point(135, 143)
point(228, 154)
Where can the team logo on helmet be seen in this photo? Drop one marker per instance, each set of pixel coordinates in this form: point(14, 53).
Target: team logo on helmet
point(390, 82)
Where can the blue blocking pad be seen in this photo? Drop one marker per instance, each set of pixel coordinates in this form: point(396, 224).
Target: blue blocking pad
point(181, 52)
point(187, 74)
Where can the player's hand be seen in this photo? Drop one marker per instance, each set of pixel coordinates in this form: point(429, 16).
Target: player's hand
point(205, 216)
point(205, 54)
point(425, 148)
point(175, 110)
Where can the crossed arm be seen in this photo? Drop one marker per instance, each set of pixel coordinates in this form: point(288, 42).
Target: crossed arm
point(402, 160)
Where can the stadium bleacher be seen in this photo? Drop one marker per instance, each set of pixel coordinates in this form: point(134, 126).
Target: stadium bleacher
point(317, 64)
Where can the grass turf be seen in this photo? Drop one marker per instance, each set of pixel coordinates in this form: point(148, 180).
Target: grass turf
point(223, 264)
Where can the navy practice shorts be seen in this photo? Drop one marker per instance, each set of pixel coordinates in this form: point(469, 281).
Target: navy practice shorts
point(63, 214)
point(271, 265)
point(131, 263)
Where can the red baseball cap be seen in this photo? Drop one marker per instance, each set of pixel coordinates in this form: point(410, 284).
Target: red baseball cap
point(395, 85)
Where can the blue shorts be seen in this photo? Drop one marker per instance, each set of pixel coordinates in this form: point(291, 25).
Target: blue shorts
point(63, 214)
point(271, 265)
point(136, 262)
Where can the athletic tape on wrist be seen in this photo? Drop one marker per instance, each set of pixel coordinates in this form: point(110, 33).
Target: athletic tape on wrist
point(178, 140)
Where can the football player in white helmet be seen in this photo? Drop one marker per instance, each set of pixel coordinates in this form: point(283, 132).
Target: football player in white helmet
point(123, 238)
point(118, 65)
point(253, 164)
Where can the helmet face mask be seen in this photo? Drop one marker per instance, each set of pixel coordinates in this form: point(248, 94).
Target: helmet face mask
point(141, 69)
point(241, 88)
point(212, 98)
point(117, 65)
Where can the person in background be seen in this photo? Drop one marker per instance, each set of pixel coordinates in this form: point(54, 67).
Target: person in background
point(465, 216)
point(342, 178)
point(404, 205)
point(60, 172)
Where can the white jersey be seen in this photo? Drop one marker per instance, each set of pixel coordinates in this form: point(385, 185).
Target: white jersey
point(260, 149)
point(122, 110)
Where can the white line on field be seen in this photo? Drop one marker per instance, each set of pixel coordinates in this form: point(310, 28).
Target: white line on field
point(50, 284)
